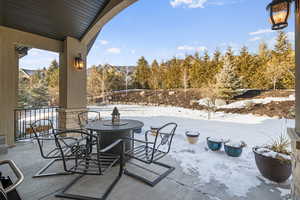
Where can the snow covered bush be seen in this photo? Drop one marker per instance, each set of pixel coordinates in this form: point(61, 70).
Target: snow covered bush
point(210, 93)
point(292, 112)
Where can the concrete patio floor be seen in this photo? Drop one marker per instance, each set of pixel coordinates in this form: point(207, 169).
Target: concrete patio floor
point(177, 186)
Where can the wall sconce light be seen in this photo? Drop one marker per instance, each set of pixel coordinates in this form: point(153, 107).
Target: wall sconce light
point(279, 13)
point(78, 63)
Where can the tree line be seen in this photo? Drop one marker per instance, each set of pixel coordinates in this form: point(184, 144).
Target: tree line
point(41, 88)
point(268, 68)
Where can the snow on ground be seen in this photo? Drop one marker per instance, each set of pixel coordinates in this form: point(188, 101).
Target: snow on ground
point(245, 103)
point(239, 175)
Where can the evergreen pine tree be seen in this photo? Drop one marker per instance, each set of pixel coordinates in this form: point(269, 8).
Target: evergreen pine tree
point(142, 74)
point(227, 79)
point(155, 80)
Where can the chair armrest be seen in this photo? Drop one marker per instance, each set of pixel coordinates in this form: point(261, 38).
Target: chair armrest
point(16, 171)
point(45, 138)
point(112, 146)
point(57, 130)
point(137, 140)
point(75, 140)
point(146, 135)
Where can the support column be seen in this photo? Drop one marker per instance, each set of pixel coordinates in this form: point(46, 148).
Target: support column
point(72, 84)
point(8, 87)
point(295, 133)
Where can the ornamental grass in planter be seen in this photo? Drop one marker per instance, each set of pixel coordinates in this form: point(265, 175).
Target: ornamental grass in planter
point(192, 137)
point(274, 160)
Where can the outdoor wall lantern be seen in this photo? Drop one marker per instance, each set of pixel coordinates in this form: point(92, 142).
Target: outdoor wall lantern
point(279, 13)
point(78, 63)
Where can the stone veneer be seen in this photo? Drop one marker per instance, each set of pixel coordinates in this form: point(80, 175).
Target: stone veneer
point(68, 118)
point(295, 142)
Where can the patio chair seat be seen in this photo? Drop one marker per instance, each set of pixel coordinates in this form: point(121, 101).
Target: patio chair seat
point(91, 165)
point(144, 153)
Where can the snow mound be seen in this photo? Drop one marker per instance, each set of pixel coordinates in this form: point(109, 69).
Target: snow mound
point(246, 103)
point(235, 144)
point(272, 154)
point(215, 139)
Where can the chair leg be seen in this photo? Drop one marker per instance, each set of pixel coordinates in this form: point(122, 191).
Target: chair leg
point(63, 193)
point(41, 173)
point(157, 180)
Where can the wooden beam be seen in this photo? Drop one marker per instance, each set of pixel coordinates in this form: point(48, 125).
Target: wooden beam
point(31, 40)
point(112, 9)
point(1, 12)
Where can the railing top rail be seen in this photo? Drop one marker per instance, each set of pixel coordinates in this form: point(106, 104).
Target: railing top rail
point(37, 108)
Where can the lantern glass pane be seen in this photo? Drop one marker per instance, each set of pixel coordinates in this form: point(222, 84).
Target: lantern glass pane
point(280, 17)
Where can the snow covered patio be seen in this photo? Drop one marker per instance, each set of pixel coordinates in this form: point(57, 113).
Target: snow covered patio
point(200, 173)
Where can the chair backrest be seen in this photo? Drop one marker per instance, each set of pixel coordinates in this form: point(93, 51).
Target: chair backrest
point(79, 160)
point(163, 139)
point(88, 116)
point(43, 129)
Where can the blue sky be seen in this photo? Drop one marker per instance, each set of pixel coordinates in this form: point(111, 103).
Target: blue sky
point(162, 29)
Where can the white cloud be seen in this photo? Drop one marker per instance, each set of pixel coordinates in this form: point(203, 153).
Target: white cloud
point(37, 59)
point(201, 3)
point(188, 3)
point(291, 36)
point(191, 48)
point(261, 31)
point(132, 51)
point(104, 42)
point(255, 39)
point(114, 50)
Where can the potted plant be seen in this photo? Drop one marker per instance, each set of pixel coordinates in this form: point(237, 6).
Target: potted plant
point(192, 137)
point(274, 160)
point(234, 149)
point(214, 144)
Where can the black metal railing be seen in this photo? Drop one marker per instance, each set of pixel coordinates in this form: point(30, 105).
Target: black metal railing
point(26, 116)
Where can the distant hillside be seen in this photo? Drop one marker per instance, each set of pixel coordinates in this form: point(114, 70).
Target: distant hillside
point(123, 69)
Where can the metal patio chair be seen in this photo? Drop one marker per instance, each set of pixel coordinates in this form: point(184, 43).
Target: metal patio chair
point(151, 152)
point(44, 131)
point(88, 116)
point(85, 162)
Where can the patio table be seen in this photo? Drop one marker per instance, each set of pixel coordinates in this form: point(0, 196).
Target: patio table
point(109, 132)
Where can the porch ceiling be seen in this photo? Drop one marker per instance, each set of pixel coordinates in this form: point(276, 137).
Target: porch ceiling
point(54, 19)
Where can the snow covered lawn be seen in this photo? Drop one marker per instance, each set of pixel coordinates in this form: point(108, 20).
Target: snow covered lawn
point(238, 175)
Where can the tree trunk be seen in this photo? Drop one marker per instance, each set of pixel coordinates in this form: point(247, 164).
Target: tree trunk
point(274, 84)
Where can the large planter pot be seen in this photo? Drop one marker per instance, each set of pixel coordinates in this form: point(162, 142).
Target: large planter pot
point(272, 168)
point(192, 137)
point(213, 145)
